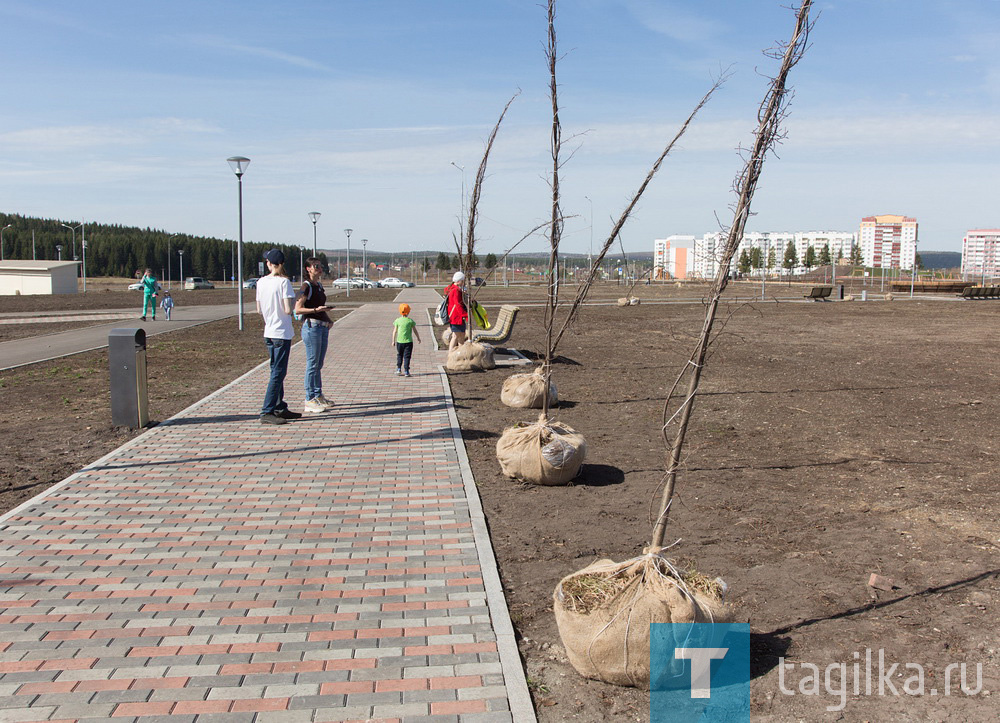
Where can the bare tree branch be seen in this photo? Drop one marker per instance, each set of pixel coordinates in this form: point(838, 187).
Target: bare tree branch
point(771, 114)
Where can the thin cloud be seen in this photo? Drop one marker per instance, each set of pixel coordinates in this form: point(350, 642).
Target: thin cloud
point(214, 41)
point(90, 137)
point(673, 22)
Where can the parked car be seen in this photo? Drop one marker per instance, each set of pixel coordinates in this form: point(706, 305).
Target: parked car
point(138, 287)
point(342, 282)
point(478, 282)
point(196, 282)
point(392, 282)
point(365, 283)
point(250, 283)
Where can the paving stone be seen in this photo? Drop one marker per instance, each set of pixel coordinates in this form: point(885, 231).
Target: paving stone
point(215, 555)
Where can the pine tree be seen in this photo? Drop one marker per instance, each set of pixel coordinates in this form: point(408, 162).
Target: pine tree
point(491, 261)
point(810, 259)
point(824, 256)
point(791, 259)
point(743, 265)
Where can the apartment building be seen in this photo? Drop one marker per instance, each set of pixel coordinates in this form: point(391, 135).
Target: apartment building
point(981, 254)
point(673, 257)
point(888, 241)
point(708, 248)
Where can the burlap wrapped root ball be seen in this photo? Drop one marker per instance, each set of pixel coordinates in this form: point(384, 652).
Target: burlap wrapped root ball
point(446, 335)
point(889, 297)
point(525, 391)
point(628, 301)
point(604, 612)
point(470, 356)
point(543, 453)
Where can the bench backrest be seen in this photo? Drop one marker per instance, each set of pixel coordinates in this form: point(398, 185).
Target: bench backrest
point(502, 328)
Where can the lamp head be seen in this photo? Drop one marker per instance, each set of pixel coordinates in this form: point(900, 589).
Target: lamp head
point(239, 165)
point(348, 231)
point(314, 216)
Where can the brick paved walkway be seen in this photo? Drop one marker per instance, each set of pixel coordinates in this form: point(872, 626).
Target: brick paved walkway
point(214, 569)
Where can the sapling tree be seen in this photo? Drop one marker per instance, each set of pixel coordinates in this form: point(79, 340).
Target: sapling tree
point(771, 114)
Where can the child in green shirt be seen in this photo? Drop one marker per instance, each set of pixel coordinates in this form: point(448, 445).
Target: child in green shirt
point(403, 330)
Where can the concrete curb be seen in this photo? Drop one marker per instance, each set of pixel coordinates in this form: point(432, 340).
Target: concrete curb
point(521, 708)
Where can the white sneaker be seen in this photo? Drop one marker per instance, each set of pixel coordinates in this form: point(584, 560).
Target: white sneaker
point(325, 402)
point(315, 406)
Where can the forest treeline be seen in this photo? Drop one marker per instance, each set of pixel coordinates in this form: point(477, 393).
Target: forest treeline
point(116, 250)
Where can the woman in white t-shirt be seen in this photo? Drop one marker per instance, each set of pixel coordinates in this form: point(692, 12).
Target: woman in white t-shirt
point(274, 303)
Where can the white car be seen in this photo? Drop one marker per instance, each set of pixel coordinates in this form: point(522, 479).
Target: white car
point(138, 287)
point(342, 282)
point(393, 283)
point(196, 282)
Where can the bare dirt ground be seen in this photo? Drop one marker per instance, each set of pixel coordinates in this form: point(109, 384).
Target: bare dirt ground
point(831, 441)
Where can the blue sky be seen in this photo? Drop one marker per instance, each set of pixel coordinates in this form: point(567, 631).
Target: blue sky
point(125, 112)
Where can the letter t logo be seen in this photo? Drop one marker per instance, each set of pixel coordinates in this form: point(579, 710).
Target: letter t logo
point(701, 667)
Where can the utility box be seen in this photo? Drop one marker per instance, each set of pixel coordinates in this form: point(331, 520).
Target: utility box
point(840, 291)
point(127, 359)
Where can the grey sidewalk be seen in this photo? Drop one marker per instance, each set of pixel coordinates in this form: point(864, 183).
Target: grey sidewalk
point(214, 569)
point(50, 346)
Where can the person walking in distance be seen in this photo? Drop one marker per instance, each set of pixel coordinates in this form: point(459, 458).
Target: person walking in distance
point(403, 330)
point(316, 323)
point(457, 313)
point(167, 304)
point(274, 304)
point(149, 288)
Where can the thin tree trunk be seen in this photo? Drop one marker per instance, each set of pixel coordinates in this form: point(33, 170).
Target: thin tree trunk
point(772, 112)
point(555, 223)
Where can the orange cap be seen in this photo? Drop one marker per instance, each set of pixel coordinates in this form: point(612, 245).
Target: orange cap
point(404, 309)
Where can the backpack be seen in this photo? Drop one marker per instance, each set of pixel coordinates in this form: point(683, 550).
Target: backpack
point(441, 315)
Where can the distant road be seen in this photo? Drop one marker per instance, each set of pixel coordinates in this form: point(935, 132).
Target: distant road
point(19, 352)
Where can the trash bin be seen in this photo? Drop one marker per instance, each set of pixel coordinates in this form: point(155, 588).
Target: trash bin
point(127, 359)
point(840, 291)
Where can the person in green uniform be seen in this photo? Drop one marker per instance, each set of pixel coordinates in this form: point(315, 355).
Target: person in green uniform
point(404, 329)
point(149, 288)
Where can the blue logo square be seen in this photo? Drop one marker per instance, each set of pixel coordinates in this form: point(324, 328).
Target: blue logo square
point(699, 672)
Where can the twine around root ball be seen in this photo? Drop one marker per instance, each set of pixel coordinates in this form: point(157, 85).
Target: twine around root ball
point(587, 592)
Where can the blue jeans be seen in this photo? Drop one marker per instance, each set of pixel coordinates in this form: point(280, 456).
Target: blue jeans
point(315, 337)
point(274, 399)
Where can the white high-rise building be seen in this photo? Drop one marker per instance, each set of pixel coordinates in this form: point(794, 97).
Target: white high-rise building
point(889, 241)
point(772, 245)
point(981, 254)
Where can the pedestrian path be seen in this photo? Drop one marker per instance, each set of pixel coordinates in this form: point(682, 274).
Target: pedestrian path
point(214, 569)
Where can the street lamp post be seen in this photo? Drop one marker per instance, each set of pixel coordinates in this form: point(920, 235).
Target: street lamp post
point(239, 165)
point(83, 252)
point(59, 252)
point(302, 269)
point(348, 231)
point(168, 259)
point(314, 217)
point(9, 225)
point(364, 261)
point(180, 252)
point(73, 230)
point(590, 253)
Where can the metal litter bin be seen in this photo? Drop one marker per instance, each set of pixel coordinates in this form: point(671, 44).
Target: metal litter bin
point(127, 359)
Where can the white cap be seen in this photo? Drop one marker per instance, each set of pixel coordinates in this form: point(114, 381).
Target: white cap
point(459, 276)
